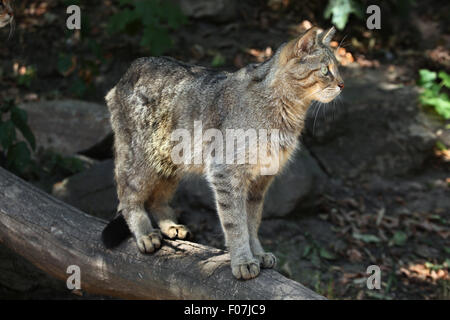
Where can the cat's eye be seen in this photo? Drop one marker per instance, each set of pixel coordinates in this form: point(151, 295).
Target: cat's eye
point(324, 70)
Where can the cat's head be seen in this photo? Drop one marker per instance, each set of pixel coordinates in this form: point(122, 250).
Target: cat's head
point(309, 66)
point(6, 13)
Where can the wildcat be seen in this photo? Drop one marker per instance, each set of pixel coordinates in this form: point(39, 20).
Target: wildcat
point(6, 13)
point(158, 95)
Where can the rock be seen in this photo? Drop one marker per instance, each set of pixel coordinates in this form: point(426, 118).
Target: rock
point(67, 126)
point(220, 10)
point(94, 191)
point(102, 150)
point(296, 187)
point(377, 130)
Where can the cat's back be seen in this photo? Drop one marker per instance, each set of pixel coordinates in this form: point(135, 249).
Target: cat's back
point(163, 73)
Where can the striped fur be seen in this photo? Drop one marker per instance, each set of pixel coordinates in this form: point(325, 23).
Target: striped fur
point(159, 95)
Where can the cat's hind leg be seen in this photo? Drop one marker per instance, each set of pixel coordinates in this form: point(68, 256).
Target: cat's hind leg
point(133, 187)
point(131, 196)
point(164, 215)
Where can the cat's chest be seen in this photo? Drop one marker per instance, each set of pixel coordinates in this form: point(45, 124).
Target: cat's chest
point(274, 160)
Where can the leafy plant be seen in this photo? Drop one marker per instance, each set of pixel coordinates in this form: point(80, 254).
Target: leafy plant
point(314, 252)
point(367, 238)
point(56, 163)
point(218, 60)
point(340, 10)
point(15, 155)
point(84, 69)
point(433, 84)
point(154, 18)
point(26, 77)
point(399, 238)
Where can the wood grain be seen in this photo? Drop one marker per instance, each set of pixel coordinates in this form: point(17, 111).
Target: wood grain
point(53, 235)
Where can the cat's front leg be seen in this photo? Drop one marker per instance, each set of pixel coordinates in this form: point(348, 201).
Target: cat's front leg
point(231, 199)
point(255, 203)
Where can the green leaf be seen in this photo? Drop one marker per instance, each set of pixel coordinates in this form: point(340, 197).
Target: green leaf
point(19, 117)
point(447, 263)
point(64, 63)
point(440, 146)
point(18, 158)
point(119, 21)
point(441, 104)
point(324, 253)
point(218, 60)
point(150, 12)
point(79, 88)
point(156, 39)
point(315, 259)
point(340, 10)
point(307, 250)
point(399, 238)
point(426, 76)
point(367, 238)
point(432, 95)
point(151, 18)
point(173, 14)
point(445, 77)
point(7, 134)
point(27, 78)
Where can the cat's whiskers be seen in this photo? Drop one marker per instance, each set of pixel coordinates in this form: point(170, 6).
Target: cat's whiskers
point(340, 43)
point(315, 118)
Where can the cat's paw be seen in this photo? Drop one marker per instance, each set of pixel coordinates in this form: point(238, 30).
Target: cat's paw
point(246, 270)
point(178, 231)
point(267, 260)
point(150, 243)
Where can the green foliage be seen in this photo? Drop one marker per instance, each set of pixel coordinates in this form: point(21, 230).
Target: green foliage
point(153, 18)
point(433, 96)
point(26, 78)
point(15, 155)
point(367, 238)
point(340, 10)
point(55, 163)
point(218, 60)
point(314, 252)
point(399, 238)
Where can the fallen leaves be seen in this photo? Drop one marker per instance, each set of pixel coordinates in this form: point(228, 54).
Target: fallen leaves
point(425, 272)
point(260, 55)
point(344, 57)
point(354, 255)
point(443, 154)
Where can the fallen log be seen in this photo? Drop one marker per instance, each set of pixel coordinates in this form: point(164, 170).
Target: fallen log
point(53, 236)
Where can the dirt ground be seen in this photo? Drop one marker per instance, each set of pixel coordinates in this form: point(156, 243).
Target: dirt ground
point(400, 223)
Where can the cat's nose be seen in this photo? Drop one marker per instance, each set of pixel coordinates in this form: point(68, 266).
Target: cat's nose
point(341, 85)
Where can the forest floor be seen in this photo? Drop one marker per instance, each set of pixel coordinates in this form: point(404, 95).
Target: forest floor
point(400, 223)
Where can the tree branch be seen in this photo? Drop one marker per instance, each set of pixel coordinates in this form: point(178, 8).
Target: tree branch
point(53, 235)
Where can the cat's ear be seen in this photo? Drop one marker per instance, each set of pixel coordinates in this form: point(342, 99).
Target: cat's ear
point(306, 42)
point(327, 35)
point(299, 46)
